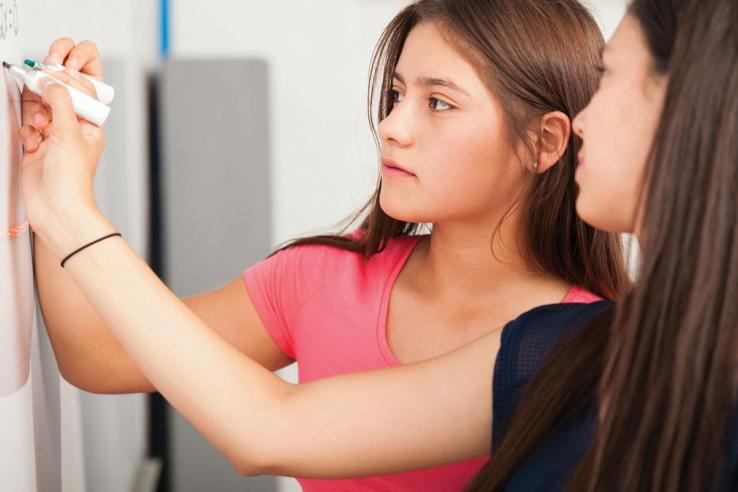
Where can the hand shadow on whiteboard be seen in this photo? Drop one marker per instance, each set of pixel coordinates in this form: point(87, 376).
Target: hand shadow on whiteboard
point(17, 301)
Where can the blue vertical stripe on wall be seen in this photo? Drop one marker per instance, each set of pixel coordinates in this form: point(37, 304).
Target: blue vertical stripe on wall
point(165, 27)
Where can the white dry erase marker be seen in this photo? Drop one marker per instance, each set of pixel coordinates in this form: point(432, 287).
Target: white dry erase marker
point(85, 106)
point(105, 92)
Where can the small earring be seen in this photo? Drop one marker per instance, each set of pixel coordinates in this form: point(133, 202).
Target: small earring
point(535, 167)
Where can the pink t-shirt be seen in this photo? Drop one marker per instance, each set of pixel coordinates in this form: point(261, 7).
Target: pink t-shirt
point(326, 308)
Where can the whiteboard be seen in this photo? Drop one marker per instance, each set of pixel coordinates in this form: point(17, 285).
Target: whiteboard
point(19, 467)
point(16, 279)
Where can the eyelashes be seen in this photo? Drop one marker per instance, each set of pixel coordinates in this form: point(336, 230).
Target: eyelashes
point(394, 96)
point(434, 100)
point(435, 104)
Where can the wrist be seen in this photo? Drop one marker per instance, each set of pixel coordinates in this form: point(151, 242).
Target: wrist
point(73, 229)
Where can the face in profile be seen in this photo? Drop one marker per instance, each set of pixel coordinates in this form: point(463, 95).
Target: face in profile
point(618, 127)
point(446, 151)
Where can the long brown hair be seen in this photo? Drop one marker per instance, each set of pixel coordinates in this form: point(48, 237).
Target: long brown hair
point(665, 363)
point(538, 57)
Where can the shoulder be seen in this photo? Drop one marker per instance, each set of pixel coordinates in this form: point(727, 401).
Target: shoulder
point(528, 339)
point(578, 294)
point(308, 268)
point(554, 321)
point(321, 256)
point(525, 344)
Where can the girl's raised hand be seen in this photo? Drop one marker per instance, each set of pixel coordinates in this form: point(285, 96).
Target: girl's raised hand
point(78, 58)
point(60, 159)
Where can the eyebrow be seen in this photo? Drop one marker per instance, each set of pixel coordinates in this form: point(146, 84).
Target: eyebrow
point(434, 81)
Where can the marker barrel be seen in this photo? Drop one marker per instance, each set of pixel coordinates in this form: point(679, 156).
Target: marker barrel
point(105, 92)
point(85, 106)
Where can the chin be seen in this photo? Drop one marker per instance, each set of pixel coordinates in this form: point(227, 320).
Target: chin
point(599, 216)
point(402, 215)
point(401, 210)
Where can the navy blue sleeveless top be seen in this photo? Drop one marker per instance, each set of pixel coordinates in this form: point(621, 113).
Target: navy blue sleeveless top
point(525, 344)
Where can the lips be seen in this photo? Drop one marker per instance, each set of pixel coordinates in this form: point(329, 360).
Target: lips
point(393, 168)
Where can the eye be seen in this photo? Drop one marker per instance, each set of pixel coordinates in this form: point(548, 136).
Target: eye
point(395, 96)
point(438, 105)
point(601, 72)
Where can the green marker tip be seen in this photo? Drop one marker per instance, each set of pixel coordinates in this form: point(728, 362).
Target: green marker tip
point(30, 63)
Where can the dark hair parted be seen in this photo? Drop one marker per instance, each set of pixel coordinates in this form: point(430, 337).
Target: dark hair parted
point(537, 56)
point(665, 365)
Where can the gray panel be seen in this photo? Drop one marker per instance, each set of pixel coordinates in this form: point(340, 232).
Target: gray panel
point(215, 171)
point(215, 181)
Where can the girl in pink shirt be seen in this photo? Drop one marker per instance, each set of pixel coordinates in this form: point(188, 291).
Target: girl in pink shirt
point(386, 296)
point(327, 308)
point(474, 106)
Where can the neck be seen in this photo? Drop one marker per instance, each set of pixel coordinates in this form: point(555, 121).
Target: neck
point(460, 259)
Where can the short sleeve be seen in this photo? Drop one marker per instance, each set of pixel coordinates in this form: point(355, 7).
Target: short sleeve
point(525, 344)
point(281, 285)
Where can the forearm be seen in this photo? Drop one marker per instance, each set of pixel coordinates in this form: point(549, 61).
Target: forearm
point(378, 422)
point(203, 376)
point(70, 320)
point(389, 420)
point(88, 355)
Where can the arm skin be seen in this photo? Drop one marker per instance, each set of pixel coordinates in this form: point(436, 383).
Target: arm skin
point(383, 421)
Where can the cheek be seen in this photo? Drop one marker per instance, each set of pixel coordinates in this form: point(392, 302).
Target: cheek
point(607, 196)
point(616, 146)
point(461, 175)
point(609, 185)
point(471, 174)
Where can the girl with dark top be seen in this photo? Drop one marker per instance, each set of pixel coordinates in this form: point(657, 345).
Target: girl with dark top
point(643, 396)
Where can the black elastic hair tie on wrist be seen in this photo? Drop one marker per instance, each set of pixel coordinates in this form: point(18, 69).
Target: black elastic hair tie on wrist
point(88, 245)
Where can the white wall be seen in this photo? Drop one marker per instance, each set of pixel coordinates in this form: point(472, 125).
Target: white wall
point(608, 13)
point(318, 52)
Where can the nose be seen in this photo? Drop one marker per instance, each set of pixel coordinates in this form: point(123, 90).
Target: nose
point(579, 123)
point(396, 127)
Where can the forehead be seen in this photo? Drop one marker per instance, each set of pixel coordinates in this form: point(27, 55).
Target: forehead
point(627, 44)
point(427, 52)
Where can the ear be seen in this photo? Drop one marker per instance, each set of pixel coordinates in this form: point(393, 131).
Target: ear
point(553, 138)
